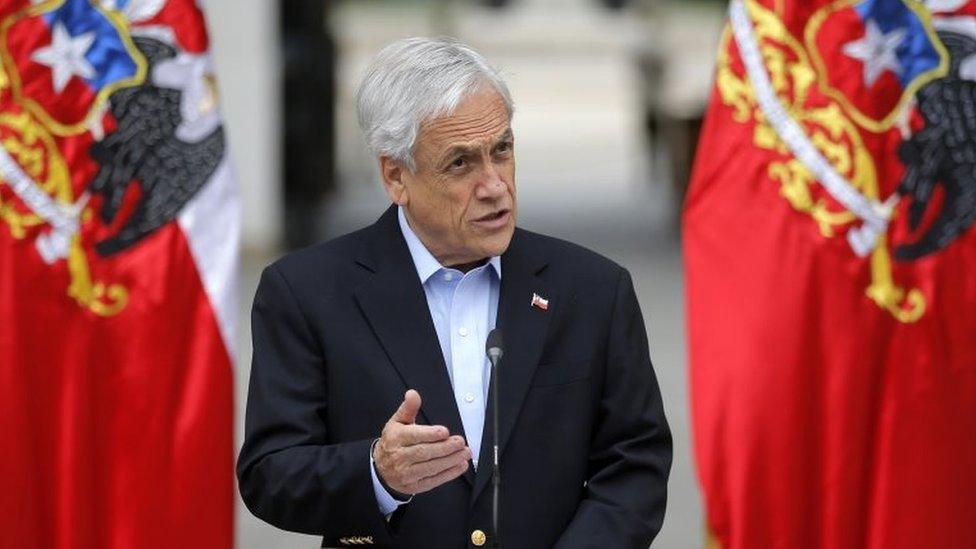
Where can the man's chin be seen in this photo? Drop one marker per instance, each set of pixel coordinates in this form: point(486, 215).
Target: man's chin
point(498, 244)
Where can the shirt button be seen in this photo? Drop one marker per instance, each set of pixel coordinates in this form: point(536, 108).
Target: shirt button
point(448, 276)
point(468, 397)
point(462, 331)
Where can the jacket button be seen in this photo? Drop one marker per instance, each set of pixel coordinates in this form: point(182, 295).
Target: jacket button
point(478, 538)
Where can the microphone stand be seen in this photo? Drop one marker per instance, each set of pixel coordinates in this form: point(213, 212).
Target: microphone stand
point(494, 352)
point(496, 477)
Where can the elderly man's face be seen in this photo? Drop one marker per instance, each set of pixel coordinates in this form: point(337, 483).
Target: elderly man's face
point(461, 200)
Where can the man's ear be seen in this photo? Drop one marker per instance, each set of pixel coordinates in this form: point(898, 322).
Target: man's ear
point(393, 174)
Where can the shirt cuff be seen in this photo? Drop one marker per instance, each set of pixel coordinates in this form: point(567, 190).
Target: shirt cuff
point(387, 503)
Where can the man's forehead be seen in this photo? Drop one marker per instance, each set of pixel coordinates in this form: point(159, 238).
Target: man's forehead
point(478, 119)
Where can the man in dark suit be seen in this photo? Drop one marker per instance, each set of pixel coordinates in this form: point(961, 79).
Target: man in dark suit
point(369, 385)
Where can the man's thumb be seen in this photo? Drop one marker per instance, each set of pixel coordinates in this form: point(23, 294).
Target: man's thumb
point(407, 412)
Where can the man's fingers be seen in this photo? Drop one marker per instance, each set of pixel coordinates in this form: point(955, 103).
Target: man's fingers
point(407, 412)
point(444, 476)
point(434, 467)
point(410, 435)
point(402, 467)
point(421, 452)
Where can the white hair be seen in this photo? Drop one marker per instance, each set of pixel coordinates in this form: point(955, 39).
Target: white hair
point(414, 80)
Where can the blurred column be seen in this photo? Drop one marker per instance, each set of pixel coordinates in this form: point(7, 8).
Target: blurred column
point(244, 37)
point(308, 124)
point(686, 36)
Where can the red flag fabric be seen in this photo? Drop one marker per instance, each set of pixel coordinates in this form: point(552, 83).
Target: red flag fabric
point(118, 242)
point(831, 277)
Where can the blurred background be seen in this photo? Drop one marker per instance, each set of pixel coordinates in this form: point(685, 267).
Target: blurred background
point(609, 97)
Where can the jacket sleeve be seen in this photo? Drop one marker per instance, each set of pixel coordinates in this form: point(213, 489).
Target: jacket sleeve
point(289, 474)
point(630, 454)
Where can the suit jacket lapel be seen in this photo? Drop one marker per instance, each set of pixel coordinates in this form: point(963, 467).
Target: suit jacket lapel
point(395, 306)
point(524, 330)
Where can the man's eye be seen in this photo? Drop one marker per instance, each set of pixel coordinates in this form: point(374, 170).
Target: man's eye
point(503, 148)
point(458, 163)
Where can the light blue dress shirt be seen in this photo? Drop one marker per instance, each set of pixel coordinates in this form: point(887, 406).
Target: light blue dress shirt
point(464, 307)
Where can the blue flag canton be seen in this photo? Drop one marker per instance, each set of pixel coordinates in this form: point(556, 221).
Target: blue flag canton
point(111, 60)
point(917, 53)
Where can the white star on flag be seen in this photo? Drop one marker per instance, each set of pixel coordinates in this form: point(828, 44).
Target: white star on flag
point(66, 56)
point(877, 51)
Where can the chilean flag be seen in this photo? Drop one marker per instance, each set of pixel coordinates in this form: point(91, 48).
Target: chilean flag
point(119, 224)
point(833, 392)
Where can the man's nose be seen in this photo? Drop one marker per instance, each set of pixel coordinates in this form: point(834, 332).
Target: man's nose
point(491, 185)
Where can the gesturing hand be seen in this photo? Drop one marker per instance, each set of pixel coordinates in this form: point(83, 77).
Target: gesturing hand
point(413, 458)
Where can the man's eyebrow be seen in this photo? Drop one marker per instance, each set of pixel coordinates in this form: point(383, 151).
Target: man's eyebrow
point(467, 149)
point(507, 136)
point(458, 150)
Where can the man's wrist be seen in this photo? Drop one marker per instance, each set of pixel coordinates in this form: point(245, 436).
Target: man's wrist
point(400, 497)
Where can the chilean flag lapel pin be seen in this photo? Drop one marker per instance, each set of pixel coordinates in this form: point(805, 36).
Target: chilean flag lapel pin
point(539, 302)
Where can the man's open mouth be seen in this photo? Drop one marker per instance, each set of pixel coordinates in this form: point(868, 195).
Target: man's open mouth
point(493, 216)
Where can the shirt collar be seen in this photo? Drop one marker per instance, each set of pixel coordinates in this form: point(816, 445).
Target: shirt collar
point(423, 260)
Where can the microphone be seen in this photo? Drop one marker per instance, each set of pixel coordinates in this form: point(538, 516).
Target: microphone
point(494, 348)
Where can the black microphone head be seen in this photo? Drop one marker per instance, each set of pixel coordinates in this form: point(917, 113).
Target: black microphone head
point(494, 346)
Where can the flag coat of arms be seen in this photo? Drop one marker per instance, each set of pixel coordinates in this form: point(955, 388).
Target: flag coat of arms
point(118, 247)
point(831, 277)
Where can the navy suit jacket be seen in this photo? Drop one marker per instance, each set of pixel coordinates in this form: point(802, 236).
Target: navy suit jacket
point(342, 329)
